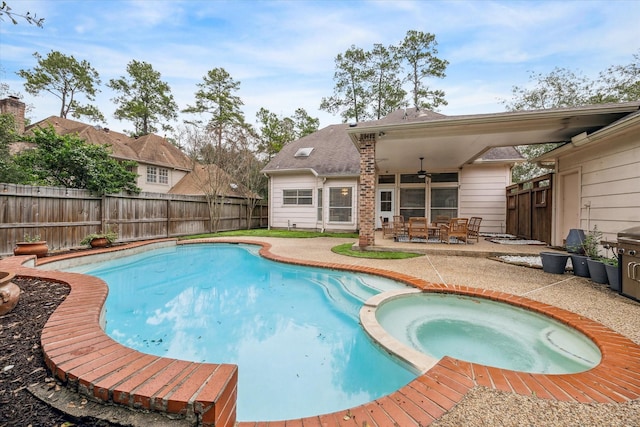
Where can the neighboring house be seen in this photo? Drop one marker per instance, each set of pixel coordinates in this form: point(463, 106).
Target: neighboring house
point(597, 180)
point(162, 167)
point(314, 182)
point(467, 160)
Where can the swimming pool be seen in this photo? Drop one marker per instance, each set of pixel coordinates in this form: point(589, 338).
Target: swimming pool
point(293, 331)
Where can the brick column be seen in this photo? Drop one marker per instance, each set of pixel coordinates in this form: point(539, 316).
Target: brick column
point(367, 195)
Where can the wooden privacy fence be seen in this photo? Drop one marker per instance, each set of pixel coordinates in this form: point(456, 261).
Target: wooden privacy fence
point(64, 216)
point(529, 208)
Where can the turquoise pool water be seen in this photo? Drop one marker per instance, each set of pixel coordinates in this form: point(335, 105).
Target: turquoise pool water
point(293, 331)
point(487, 332)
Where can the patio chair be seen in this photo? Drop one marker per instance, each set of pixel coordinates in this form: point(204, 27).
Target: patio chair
point(441, 219)
point(418, 228)
point(474, 228)
point(399, 227)
point(387, 228)
point(457, 227)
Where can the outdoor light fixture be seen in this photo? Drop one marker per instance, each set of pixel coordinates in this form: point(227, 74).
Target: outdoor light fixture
point(422, 173)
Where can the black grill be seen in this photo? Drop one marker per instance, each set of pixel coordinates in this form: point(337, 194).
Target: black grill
point(629, 250)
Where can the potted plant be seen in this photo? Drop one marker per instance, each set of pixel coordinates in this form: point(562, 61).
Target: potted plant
point(591, 250)
point(31, 245)
point(612, 269)
point(100, 240)
point(575, 244)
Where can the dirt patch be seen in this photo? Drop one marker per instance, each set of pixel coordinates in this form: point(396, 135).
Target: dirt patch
point(21, 360)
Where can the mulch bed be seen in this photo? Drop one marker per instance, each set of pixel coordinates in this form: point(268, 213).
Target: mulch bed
point(21, 360)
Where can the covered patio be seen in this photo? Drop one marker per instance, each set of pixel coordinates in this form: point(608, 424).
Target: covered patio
point(452, 143)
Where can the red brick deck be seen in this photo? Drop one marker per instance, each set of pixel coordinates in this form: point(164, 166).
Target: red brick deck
point(80, 353)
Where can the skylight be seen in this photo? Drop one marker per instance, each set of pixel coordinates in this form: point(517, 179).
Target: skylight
point(304, 152)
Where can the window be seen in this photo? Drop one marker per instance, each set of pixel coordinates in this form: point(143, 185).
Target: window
point(411, 178)
point(152, 174)
point(444, 177)
point(386, 179)
point(163, 176)
point(297, 197)
point(319, 204)
point(303, 152)
point(340, 204)
point(412, 202)
point(444, 202)
point(155, 174)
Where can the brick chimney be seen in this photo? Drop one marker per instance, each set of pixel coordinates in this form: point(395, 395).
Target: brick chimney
point(13, 105)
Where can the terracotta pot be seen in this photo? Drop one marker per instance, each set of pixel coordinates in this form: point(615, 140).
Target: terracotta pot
point(9, 292)
point(100, 242)
point(39, 249)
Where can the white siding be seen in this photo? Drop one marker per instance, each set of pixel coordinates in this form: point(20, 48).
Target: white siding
point(305, 217)
point(610, 184)
point(482, 193)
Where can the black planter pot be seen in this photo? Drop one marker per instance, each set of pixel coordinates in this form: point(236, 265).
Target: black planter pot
point(597, 271)
point(613, 275)
point(554, 262)
point(580, 267)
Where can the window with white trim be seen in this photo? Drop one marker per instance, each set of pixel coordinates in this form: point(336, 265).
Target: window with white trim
point(152, 174)
point(340, 204)
point(163, 176)
point(297, 197)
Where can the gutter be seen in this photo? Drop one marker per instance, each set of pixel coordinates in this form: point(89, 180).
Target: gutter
point(582, 139)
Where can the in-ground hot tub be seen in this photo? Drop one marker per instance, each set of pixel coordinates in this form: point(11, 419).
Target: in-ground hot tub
point(422, 327)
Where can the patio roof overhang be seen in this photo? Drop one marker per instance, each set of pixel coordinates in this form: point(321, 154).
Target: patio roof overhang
point(451, 142)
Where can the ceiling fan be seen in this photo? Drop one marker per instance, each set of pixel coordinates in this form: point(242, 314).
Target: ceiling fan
point(422, 173)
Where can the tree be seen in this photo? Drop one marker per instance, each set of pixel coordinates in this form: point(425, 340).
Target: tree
point(367, 85)
point(275, 131)
point(5, 10)
point(565, 88)
point(216, 96)
point(303, 123)
point(418, 49)
point(386, 87)
point(619, 83)
point(68, 161)
point(214, 143)
point(144, 99)
point(560, 88)
point(65, 77)
point(9, 170)
point(351, 94)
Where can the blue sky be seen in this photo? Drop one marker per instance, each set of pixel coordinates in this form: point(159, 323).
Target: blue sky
point(282, 52)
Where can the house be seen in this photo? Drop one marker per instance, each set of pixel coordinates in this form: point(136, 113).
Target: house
point(597, 179)
point(420, 163)
point(314, 182)
point(162, 167)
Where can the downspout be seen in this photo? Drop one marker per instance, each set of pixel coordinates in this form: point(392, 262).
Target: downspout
point(269, 202)
point(324, 180)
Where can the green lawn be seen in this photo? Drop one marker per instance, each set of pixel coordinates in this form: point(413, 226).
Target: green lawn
point(343, 249)
point(263, 232)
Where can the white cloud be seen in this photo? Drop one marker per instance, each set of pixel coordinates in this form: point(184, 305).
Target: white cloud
point(282, 52)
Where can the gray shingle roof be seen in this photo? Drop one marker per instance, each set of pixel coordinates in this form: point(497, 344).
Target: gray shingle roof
point(333, 154)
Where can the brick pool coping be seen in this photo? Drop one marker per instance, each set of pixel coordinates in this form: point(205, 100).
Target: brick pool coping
point(79, 353)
